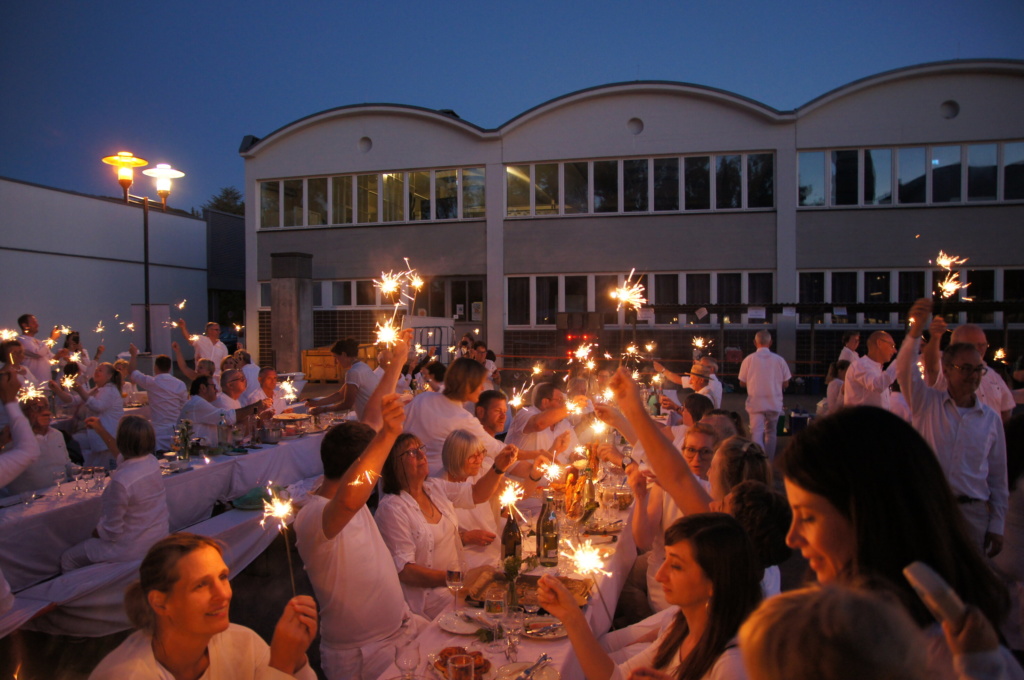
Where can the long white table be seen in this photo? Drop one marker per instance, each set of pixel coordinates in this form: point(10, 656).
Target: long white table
point(599, 612)
point(33, 537)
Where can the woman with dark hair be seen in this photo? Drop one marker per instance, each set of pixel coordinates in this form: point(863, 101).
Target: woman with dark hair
point(80, 355)
point(134, 514)
point(417, 519)
point(179, 607)
point(869, 498)
point(103, 402)
point(711, 574)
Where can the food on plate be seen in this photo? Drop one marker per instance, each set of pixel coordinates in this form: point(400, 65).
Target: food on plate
point(480, 664)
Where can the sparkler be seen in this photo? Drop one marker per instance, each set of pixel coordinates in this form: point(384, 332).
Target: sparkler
point(7, 334)
point(582, 352)
point(75, 356)
point(387, 334)
point(649, 347)
point(608, 395)
point(510, 495)
point(700, 343)
point(288, 391)
point(951, 285)
point(553, 471)
point(590, 365)
point(451, 349)
point(50, 342)
point(1000, 355)
point(365, 477)
point(587, 561)
point(517, 399)
point(280, 509)
point(239, 328)
point(599, 427)
point(573, 408)
point(64, 330)
point(636, 375)
point(630, 293)
point(68, 382)
point(193, 337)
point(389, 283)
point(28, 393)
point(538, 369)
point(99, 328)
point(181, 305)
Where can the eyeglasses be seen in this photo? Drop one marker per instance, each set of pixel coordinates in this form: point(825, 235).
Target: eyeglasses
point(703, 453)
point(967, 369)
point(419, 452)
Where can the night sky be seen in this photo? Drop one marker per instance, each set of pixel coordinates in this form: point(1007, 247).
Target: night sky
point(182, 83)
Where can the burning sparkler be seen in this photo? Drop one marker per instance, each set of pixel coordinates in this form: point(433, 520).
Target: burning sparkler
point(599, 427)
point(239, 328)
point(387, 334)
point(365, 477)
point(587, 561)
point(538, 369)
point(630, 293)
point(75, 356)
point(608, 395)
point(280, 509)
point(193, 337)
point(590, 365)
point(64, 330)
point(573, 408)
point(389, 283)
point(28, 393)
point(99, 328)
point(68, 382)
point(553, 471)
point(700, 343)
point(7, 334)
point(50, 342)
point(181, 305)
point(288, 391)
point(582, 353)
point(1000, 355)
point(951, 285)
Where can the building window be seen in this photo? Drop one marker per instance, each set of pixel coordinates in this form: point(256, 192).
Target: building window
point(812, 289)
point(393, 196)
point(604, 285)
point(474, 194)
point(547, 299)
point(844, 177)
point(730, 293)
point(606, 186)
point(728, 182)
point(982, 288)
point(761, 180)
point(518, 307)
point(946, 174)
point(517, 186)
point(844, 291)
point(761, 291)
point(698, 292)
point(666, 292)
point(366, 198)
point(545, 189)
point(577, 190)
point(812, 178)
point(317, 188)
point(446, 194)
point(911, 175)
point(318, 293)
point(1013, 289)
point(982, 170)
point(911, 288)
point(697, 182)
point(270, 204)
point(1013, 171)
point(265, 295)
point(341, 200)
point(576, 294)
point(666, 184)
point(366, 293)
point(876, 289)
point(419, 196)
point(341, 293)
point(292, 201)
point(634, 185)
point(877, 176)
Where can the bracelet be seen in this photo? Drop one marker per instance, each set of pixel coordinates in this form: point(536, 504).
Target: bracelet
point(536, 480)
point(497, 469)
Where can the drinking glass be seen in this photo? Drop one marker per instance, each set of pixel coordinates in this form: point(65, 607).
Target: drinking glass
point(407, 657)
point(453, 579)
point(86, 476)
point(460, 667)
point(494, 609)
point(76, 473)
point(513, 622)
point(58, 476)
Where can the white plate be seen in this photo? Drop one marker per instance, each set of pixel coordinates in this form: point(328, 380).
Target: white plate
point(451, 622)
point(540, 622)
point(545, 672)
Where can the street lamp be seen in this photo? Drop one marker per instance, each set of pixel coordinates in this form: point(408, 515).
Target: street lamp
point(126, 162)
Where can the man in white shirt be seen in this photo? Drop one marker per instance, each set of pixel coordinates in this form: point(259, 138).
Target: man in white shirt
point(200, 409)
point(360, 382)
point(707, 382)
point(537, 428)
point(492, 412)
point(250, 370)
point(207, 346)
point(363, 612)
point(867, 384)
point(232, 385)
point(268, 394)
point(965, 434)
point(167, 395)
point(37, 352)
point(992, 391)
point(765, 375)
point(493, 379)
point(851, 341)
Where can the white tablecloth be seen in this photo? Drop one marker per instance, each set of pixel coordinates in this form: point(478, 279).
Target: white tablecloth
point(33, 537)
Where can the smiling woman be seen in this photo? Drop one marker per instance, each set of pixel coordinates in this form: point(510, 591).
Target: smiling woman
point(180, 606)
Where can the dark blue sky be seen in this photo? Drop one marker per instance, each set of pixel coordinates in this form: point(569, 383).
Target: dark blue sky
point(184, 82)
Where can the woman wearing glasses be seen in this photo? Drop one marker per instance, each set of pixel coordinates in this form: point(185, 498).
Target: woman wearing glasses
point(417, 519)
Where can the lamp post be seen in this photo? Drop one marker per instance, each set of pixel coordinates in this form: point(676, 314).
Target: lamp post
point(126, 162)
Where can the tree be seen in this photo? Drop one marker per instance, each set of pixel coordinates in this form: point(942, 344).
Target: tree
point(229, 200)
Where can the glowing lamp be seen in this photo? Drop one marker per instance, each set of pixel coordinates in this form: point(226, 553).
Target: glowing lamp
point(163, 174)
point(125, 162)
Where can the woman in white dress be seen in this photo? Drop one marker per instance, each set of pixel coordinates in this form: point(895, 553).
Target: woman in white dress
point(103, 402)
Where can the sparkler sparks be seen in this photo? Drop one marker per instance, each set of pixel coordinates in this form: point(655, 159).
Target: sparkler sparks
point(7, 334)
point(573, 408)
point(590, 365)
point(68, 382)
point(1000, 355)
point(28, 393)
point(365, 477)
point(582, 352)
point(608, 395)
point(239, 328)
point(387, 334)
point(181, 305)
point(599, 427)
point(50, 342)
point(510, 495)
point(553, 471)
point(64, 330)
point(99, 328)
point(288, 391)
point(947, 262)
point(282, 510)
point(517, 399)
point(700, 343)
point(193, 337)
point(75, 356)
point(649, 347)
point(389, 283)
point(586, 559)
point(630, 294)
point(636, 375)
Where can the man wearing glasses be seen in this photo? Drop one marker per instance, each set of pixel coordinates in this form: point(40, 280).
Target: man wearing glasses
point(867, 383)
point(966, 435)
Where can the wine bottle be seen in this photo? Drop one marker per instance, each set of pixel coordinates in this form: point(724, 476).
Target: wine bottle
point(547, 534)
point(511, 540)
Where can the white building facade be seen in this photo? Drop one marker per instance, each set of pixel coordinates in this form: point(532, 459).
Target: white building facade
point(716, 199)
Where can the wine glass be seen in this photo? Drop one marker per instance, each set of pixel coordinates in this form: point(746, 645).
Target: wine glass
point(460, 667)
point(513, 622)
point(76, 472)
point(494, 609)
point(86, 476)
point(407, 657)
point(58, 476)
point(453, 579)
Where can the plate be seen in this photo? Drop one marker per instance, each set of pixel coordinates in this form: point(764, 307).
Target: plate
point(487, 674)
point(451, 622)
point(541, 622)
point(169, 471)
point(511, 670)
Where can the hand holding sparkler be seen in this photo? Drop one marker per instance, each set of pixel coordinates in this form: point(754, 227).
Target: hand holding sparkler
point(293, 634)
point(938, 327)
point(506, 458)
point(282, 510)
point(553, 596)
point(918, 315)
point(626, 392)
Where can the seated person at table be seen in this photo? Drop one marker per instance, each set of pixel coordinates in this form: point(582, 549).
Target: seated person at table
point(203, 366)
point(432, 376)
point(360, 381)
point(103, 402)
point(134, 505)
point(167, 395)
point(711, 574)
point(200, 409)
point(232, 385)
point(267, 394)
point(417, 519)
point(80, 355)
point(179, 608)
point(53, 452)
point(346, 559)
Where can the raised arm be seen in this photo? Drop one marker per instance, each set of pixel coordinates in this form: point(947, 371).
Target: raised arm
point(388, 382)
point(184, 330)
point(932, 350)
point(182, 366)
point(23, 449)
point(94, 423)
point(909, 377)
point(133, 361)
point(485, 487)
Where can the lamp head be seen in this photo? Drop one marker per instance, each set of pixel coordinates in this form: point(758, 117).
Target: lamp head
point(163, 174)
point(125, 161)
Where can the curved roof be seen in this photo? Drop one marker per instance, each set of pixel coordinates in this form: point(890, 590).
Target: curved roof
point(251, 144)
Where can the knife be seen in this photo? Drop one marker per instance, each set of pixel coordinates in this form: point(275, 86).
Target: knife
point(526, 674)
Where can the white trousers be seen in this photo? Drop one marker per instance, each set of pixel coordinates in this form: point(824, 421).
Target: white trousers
point(763, 425)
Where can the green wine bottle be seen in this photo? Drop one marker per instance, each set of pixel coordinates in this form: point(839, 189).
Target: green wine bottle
point(547, 534)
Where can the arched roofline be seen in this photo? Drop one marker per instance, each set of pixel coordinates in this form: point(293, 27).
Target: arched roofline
point(1003, 66)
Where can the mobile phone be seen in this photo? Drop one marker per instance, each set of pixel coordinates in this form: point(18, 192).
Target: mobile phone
point(941, 600)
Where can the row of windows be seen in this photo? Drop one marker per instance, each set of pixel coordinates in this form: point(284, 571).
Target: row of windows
point(422, 195)
point(845, 287)
point(956, 173)
point(537, 300)
point(720, 182)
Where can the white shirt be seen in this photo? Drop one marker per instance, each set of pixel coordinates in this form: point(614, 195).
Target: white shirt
point(541, 439)
point(205, 418)
point(482, 516)
point(238, 652)
point(279, 402)
point(107, 405)
point(134, 514)
point(764, 372)
point(834, 395)
point(39, 366)
point(53, 454)
point(968, 443)
point(21, 452)
point(489, 378)
point(867, 384)
point(992, 391)
point(252, 377)
point(713, 390)
point(847, 354)
point(206, 349)
point(363, 377)
point(728, 666)
point(227, 403)
point(411, 539)
point(346, 589)
point(431, 416)
point(167, 396)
